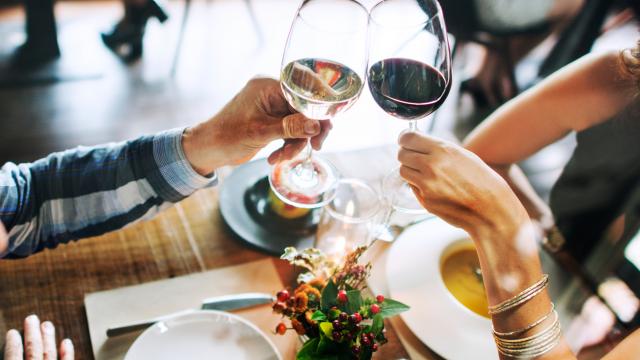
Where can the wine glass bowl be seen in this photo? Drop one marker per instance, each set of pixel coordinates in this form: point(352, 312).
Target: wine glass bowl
point(322, 75)
point(409, 74)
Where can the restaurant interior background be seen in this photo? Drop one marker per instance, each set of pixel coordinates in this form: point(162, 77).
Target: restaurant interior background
point(90, 96)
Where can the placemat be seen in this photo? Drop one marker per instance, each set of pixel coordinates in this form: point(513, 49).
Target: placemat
point(134, 303)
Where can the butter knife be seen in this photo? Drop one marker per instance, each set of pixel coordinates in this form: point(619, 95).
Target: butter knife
point(222, 303)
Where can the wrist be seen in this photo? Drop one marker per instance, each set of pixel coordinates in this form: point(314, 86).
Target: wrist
point(201, 150)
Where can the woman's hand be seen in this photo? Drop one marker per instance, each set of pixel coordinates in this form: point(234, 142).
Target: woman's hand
point(257, 115)
point(456, 185)
point(39, 342)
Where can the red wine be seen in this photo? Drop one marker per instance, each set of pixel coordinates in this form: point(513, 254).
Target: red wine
point(407, 89)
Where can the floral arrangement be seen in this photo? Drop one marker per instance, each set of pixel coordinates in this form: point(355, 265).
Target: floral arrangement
point(328, 309)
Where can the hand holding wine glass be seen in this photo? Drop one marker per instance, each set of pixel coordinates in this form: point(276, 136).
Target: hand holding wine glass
point(323, 70)
point(409, 73)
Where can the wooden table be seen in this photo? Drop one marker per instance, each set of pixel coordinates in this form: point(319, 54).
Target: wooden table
point(189, 237)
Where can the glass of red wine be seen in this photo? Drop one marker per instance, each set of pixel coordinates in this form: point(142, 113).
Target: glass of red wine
point(409, 73)
point(322, 75)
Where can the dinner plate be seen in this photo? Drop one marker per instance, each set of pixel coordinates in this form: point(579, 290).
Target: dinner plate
point(204, 334)
point(243, 197)
point(436, 317)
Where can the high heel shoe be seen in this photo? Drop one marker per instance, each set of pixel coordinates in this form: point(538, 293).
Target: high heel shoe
point(126, 38)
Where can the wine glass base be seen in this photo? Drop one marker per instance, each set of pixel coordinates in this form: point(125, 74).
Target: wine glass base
point(400, 195)
point(291, 185)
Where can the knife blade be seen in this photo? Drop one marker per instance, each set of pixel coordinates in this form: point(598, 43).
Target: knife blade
point(222, 303)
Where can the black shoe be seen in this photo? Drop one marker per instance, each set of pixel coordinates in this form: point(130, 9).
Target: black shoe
point(34, 54)
point(126, 38)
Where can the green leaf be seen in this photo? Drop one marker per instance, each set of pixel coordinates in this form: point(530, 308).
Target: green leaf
point(309, 350)
point(325, 345)
point(327, 329)
point(318, 316)
point(329, 296)
point(392, 308)
point(355, 301)
point(378, 324)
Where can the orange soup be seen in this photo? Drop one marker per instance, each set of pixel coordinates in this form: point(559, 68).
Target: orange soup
point(461, 275)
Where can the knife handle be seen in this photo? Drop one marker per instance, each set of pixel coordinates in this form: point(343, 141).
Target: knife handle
point(125, 329)
point(121, 330)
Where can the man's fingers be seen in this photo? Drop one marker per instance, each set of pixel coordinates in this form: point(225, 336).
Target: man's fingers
point(67, 352)
point(297, 126)
point(412, 176)
point(32, 338)
point(13, 346)
point(49, 341)
point(325, 128)
point(288, 151)
point(419, 142)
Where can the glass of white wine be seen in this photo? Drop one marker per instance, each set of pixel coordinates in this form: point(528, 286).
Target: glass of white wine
point(322, 75)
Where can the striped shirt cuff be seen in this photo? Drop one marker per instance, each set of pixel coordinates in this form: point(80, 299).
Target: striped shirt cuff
point(174, 166)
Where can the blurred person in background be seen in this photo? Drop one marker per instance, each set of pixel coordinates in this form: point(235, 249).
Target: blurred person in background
point(41, 45)
point(89, 191)
point(125, 40)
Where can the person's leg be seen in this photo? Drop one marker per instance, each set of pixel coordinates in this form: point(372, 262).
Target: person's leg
point(41, 45)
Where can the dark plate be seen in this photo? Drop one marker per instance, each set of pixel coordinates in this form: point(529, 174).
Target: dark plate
point(244, 206)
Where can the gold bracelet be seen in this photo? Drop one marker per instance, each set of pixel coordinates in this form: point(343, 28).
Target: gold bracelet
point(528, 327)
point(532, 346)
point(524, 296)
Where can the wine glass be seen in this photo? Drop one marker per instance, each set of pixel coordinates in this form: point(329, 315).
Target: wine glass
point(409, 73)
point(322, 75)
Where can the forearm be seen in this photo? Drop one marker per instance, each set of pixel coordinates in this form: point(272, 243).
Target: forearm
point(510, 263)
point(90, 191)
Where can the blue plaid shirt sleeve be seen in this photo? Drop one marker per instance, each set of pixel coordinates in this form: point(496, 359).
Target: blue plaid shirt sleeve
point(89, 191)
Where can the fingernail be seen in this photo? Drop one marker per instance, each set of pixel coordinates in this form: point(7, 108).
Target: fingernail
point(32, 317)
point(311, 127)
point(48, 326)
point(67, 342)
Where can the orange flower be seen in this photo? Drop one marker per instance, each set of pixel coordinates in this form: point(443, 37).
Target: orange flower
point(301, 288)
point(298, 327)
point(317, 283)
point(301, 302)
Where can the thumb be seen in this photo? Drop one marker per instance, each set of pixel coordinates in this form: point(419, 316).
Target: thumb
point(297, 126)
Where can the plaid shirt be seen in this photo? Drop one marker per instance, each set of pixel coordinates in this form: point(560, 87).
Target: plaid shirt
point(89, 191)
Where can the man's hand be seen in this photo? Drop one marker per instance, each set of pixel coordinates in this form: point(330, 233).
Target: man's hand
point(456, 185)
point(39, 342)
point(257, 115)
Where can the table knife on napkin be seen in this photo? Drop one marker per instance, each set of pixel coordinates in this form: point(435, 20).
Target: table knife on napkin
point(222, 303)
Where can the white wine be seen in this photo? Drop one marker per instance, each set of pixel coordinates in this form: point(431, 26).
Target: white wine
point(320, 89)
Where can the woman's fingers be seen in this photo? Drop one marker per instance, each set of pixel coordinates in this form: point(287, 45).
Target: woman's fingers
point(13, 346)
point(32, 338)
point(48, 341)
point(419, 142)
point(67, 352)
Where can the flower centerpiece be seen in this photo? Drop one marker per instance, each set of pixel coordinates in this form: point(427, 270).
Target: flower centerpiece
point(328, 309)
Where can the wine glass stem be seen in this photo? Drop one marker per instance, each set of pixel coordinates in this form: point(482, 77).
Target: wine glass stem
point(413, 125)
point(306, 171)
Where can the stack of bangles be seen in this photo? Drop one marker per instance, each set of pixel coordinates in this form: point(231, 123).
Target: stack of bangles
point(511, 343)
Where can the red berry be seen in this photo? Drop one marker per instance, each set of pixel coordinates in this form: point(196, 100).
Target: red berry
point(281, 328)
point(343, 317)
point(342, 296)
point(365, 341)
point(356, 318)
point(337, 336)
point(375, 308)
point(355, 349)
point(374, 348)
point(380, 299)
point(283, 295)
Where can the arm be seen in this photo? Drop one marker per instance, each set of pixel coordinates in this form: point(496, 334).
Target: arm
point(89, 191)
point(581, 95)
point(456, 185)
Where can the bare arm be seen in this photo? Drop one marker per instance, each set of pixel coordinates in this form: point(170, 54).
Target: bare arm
point(583, 94)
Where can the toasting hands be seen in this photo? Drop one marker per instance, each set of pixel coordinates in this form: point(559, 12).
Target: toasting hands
point(456, 185)
point(257, 115)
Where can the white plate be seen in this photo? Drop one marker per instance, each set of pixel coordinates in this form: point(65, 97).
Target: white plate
point(436, 317)
point(204, 334)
